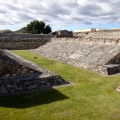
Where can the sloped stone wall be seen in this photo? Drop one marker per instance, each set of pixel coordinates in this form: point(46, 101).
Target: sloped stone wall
point(63, 33)
point(80, 34)
point(94, 51)
point(18, 75)
point(20, 45)
point(106, 41)
point(81, 53)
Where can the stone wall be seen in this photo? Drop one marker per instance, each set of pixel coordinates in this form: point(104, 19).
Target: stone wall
point(24, 35)
point(80, 34)
point(96, 51)
point(105, 34)
point(89, 40)
point(20, 45)
point(63, 33)
point(108, 34)
point(22, 41)
point(18, 74)
point(82, 53)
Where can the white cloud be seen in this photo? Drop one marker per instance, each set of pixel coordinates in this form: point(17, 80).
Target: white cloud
point(59, 12)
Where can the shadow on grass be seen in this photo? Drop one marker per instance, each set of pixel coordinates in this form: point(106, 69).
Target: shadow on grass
point(36, 98)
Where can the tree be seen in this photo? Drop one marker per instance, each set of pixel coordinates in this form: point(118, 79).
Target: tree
point(37, 27)
point(47, 29)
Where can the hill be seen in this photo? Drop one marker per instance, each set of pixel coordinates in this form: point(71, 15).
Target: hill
point(5, 31)
point(22, 30)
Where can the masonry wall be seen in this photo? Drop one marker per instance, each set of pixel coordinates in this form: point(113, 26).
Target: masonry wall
point(80, 34)
point(24, 35)
point(108, 34)
point(91, 50)
point(22, 41)
point(105, 34)
point(91, 54)
point(89, 40)
point(19, 75)
point(20, 45)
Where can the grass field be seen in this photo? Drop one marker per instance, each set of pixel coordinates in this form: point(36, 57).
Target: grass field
point(90, 97)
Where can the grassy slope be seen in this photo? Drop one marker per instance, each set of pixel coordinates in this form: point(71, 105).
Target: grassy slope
point(22, 30)
point(91, 97)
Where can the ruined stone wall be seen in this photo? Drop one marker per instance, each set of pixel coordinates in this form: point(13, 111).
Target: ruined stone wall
point(92, 55)
point(19, 75)
point(94, 51)
point(20, 45)
point(89, 40)
point(22, 41)
point(15, 39)
point(24, 35)
point(107, 34)
point(80, 34)
point(63, 33)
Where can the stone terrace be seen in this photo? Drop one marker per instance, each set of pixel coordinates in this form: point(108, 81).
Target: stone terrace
point(89, 54)
point(102, 34)
point(18, 74)
point(23, 40)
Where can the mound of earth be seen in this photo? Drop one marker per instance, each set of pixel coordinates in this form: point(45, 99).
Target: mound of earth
point(5, 31)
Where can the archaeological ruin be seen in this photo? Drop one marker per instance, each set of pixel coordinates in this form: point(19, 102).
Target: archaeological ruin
point(96, 50)
point(63, 33)
point(18, 75)
point(22, 41)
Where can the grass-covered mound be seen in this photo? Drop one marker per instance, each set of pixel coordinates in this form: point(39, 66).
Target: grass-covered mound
point(90, 97)
point(5, 31)
point(22, 30)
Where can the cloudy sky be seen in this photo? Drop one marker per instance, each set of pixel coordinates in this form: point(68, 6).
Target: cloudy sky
point(60, 14)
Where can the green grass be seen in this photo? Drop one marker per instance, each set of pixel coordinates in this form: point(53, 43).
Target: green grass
point(90, 97)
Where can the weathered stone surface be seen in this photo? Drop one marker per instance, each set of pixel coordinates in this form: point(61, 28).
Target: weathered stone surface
point(18, 74)
point(88, 55)
point(63, 33)
point(20, 45)
point(108, 34)
point(96, 51)
point(22, 41)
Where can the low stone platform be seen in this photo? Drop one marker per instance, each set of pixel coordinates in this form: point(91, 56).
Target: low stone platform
point(18, 74)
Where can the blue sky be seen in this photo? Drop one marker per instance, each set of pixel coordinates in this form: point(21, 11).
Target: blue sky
point(60, 14)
